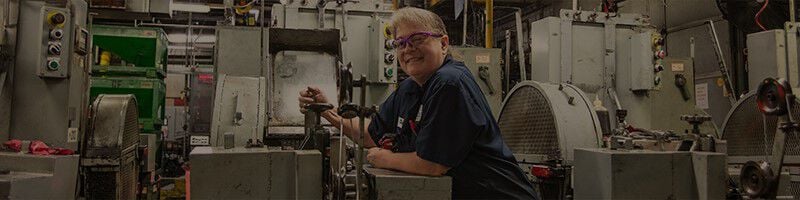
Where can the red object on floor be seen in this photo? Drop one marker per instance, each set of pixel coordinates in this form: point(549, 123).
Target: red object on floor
point(14, 145)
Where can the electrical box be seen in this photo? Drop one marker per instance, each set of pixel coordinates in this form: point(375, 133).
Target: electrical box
point(643, 67)
point(55, 34)
point(484, 64)
point(383, 63)
point(767, 57)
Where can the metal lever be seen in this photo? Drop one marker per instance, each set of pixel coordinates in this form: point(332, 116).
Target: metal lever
point(680, 82)
point(483, 73)
point(238, 115)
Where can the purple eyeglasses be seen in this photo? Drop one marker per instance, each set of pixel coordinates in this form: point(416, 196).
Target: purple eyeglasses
point(414, 39)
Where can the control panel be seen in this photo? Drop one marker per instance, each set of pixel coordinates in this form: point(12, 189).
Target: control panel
point(55, 42)
point(383, 64)
point(647, 55)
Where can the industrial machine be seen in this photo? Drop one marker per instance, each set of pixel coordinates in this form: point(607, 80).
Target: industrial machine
point(62, 144)
point(543, 124)
point(133, 60)
point(555, 133)
point(620, 60)
point(109, 164)
point(644, 174)
point(301, 143)
point(239, 111)
point(761, 179)
point(43, 87)
point(751, 134)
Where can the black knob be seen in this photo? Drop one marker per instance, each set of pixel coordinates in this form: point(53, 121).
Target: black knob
point(55, 49)
point(57, 19)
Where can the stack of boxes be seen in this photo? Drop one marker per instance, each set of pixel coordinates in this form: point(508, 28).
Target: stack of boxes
point(133, 60)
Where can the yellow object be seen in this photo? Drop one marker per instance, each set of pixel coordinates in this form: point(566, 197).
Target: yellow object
point(720, 82)
point(387, 32)
point(105, 58)
point(50, 19)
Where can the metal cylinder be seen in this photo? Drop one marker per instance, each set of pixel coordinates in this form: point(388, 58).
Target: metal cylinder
point(548, 120)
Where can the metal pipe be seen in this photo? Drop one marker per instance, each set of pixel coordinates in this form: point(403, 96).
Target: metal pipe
point(721, 61)
point(520, 49)
point(360, 156)
point(489, 40)
point(464, 17)
point(177, 26)
point(791, 11)
point(188, 36)
point(574, 4)
point(508, 61)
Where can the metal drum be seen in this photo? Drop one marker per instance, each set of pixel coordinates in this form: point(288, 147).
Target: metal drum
point(109, 160)
point(750, 134)
point(548, 121)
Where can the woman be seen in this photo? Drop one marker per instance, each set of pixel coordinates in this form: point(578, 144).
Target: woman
point(438, 121)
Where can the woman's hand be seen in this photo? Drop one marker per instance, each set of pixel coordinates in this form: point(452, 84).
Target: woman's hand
point(379, 158)
point(309, 96)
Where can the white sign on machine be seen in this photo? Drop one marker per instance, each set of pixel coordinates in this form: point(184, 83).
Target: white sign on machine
point(701, 95)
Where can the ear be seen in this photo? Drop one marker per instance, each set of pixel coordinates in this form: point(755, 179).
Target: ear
point(445, 43)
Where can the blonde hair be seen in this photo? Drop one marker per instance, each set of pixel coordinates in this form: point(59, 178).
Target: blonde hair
point(416, 16)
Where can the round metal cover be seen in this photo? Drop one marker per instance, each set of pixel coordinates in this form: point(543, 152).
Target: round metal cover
point(114, 126)
point(749, 133)
point(549, 120)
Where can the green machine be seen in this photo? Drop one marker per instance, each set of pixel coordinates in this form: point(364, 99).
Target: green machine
point(133, 60)
point(150, 95)
point(129, 51)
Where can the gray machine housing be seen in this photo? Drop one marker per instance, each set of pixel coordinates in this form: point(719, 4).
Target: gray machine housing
point(776, 56)
point(30, 173)
point(259, 173)
point(58, 95)
point(110, 158)
point(608, 55)
point(643, 174)
point(239, 108)
point(390, 185)
point(487, 61)
point(40, 103)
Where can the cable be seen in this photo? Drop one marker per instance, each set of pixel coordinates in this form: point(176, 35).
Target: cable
point(764, 126)
point(758, 15)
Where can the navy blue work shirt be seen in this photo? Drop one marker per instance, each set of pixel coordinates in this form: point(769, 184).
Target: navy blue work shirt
point(448, 121)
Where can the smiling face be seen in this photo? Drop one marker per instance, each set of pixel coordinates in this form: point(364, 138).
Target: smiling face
point(424, 55)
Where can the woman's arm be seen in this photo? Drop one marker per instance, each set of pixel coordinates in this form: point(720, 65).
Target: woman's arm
point(350, 128)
